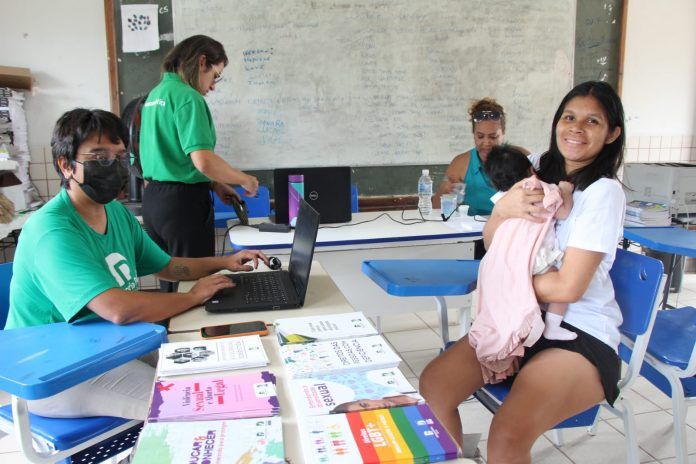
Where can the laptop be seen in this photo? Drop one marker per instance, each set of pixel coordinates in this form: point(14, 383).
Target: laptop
point(326, 189)
point(264, 291)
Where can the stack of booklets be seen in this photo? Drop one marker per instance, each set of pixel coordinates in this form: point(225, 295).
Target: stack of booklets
point(646, 214)
point(317, 328)
point(404, 434)
point(337, 356)
point(352, 391)
point(248, 441)
point(211, 355)
point(209, 398)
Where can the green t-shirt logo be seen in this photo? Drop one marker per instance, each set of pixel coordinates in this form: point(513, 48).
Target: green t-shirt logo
point(118, 266)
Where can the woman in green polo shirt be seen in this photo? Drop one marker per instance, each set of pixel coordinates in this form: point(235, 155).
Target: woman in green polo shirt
point(177, 151)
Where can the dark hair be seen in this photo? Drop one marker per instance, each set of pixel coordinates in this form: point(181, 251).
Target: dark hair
point(76, 126)
point(183, 58)
point(608, 162)
point(506, 165)
point(486, 104)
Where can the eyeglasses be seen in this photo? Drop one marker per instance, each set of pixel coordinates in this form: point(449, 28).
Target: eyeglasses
point(482, 115)
point(104, 158)
point(217, 76)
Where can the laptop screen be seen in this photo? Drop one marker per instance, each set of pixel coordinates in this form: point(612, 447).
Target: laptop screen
point(303, 247)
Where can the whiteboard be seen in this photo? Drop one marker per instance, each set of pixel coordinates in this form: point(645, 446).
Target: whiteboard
point(364, 83)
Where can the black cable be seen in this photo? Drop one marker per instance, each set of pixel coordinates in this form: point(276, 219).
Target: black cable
point(227, 233)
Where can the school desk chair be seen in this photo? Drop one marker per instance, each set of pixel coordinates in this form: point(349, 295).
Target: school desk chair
point(437, 278)
point(353, 198)
point(638, 283)
point(45, 360)
point(256, 206)
point(670, 365)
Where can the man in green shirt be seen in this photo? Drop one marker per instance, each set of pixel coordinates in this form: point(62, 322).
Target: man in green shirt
point(80, 256)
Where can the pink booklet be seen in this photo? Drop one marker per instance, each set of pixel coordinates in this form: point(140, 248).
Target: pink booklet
point(207, 398)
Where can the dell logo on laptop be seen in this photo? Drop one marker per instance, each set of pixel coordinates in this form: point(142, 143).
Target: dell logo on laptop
point(313, 195)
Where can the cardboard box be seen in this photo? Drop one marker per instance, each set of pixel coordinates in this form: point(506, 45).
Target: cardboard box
point(15, 78)
point(12, 188)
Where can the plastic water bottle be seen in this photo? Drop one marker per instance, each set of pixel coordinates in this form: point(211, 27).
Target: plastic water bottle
point(425, 193)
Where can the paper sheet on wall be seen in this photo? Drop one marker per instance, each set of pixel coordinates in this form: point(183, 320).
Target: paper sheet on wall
point(139, 28)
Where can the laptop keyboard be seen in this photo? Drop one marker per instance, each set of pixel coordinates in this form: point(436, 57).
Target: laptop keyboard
point(263, 288)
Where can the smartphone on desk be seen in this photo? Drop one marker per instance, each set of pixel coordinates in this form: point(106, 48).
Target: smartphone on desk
point(235, 330)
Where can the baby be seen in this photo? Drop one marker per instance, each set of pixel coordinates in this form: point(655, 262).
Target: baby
point(506, 166)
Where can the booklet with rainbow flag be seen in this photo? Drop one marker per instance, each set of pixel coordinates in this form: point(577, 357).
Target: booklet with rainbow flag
point(207, 398)
point(248, 441)
point(407, 434)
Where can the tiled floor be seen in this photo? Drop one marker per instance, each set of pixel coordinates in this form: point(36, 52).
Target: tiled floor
point(416, 338)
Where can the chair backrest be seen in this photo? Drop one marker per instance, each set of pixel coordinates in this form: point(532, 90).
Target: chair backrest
point(5, 278)
point(257, 206)
point(638, 285)
point(353, 198)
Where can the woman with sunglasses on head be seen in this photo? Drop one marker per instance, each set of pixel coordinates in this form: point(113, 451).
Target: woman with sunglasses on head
point(177, 143)
point(488, 126)
point(557, 378)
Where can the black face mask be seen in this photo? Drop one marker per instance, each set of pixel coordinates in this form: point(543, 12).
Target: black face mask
point(103, 183)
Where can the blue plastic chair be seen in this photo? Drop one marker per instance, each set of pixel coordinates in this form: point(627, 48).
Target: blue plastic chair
point(45, 360)
point(638, 282)
point(353, 198)
point(257, 206)
point(670, 365)
point(5, 278)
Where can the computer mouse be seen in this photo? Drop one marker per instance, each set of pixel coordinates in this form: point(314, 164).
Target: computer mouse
point(274, 263)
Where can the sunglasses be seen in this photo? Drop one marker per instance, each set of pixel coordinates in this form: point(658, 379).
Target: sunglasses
point(482, 115)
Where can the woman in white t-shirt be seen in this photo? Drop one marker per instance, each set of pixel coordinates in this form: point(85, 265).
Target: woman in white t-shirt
point(558, 378)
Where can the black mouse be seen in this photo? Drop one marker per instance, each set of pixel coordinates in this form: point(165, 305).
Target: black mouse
point(274, 263)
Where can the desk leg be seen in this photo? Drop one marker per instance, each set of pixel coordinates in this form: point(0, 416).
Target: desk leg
point(668, 282)
point(444, 319)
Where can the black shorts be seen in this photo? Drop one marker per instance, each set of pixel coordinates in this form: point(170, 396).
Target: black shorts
point(597, 352)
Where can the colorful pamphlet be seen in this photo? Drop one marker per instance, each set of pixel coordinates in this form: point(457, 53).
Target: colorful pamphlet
point(352, 391)
point(326, 327)
point(408, 434)
point(208, 398)
point(335, 356)
point(211, 355)
point(248, 441)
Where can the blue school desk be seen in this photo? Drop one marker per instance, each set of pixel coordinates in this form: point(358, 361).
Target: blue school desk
point(44, 360)
point(672, 240)
point(341, 249)
point(436, 278)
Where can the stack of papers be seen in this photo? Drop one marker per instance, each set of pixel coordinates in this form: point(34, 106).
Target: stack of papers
point(211, 355)
point(211, 398)
point(252, 441)
point(646, 214)
point(337, 356)
point(317, 328)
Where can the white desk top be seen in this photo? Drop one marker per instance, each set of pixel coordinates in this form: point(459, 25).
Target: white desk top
point(380, 230)
point(323, 297)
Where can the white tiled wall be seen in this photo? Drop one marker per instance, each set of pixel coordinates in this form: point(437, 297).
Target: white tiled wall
point(660, 149)
point(42, 173)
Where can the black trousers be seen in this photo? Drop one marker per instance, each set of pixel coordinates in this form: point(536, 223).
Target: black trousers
point(180, 219)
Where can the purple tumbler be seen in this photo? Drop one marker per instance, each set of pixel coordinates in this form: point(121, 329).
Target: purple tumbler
point(295, 194)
